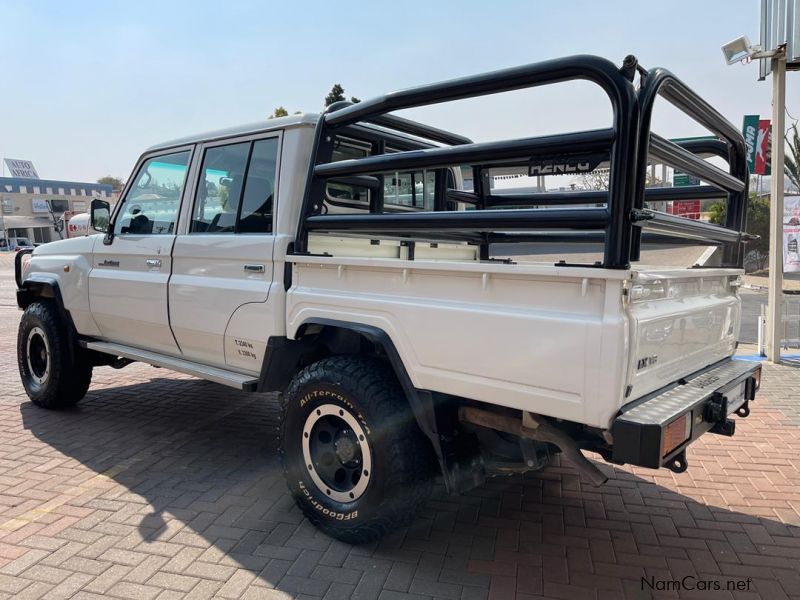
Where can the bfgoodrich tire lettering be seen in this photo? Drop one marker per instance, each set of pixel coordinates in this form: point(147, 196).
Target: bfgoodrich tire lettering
point(53, 374)
point(333, 404)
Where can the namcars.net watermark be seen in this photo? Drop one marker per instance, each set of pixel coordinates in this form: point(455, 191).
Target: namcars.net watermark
point(690, 583)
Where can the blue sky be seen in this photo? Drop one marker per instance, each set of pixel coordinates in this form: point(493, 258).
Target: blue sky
point(86, 86)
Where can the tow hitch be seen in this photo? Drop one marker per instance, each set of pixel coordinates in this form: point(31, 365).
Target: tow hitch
point(679, 463)
point(716, 412)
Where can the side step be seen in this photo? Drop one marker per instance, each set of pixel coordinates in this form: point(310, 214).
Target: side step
point(246, 383)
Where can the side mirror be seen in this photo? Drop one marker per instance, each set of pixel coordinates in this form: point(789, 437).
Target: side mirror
point(100, 215)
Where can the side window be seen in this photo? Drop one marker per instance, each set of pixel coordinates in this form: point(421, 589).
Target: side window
point(257, 201)
point(235, 191)
point(341, 193)
point(151, 205)
point(219, 190)
point(414, 190)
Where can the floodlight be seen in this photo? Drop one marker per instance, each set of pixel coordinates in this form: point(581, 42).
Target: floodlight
point(738, 50)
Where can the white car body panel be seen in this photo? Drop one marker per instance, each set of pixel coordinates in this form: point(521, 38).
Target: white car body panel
point(128, 298)
point(557, 341)
point(69, 262)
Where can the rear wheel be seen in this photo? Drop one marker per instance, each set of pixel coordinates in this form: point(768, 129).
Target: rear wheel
point(54, 374)
point(354, 458)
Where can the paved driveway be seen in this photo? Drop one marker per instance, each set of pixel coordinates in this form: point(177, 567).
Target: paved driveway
point(162, 486)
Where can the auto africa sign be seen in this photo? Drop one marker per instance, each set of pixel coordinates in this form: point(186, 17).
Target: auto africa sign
point(21, 168)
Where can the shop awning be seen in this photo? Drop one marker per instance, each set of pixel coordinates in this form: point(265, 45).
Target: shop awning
point(24, 222)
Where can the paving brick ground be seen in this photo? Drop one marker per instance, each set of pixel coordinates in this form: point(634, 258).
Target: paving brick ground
point(162, 486)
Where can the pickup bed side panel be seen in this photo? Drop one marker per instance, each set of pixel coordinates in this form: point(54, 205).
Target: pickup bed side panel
point(499, 336)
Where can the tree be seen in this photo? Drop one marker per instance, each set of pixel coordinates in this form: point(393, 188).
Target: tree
point(279, 112)
point(355, 100)
point(792, 159)
point(717, 211)
point(757, 224)
point(599, 180)
point(115, 182)
point(594, 180)
point(336, 94)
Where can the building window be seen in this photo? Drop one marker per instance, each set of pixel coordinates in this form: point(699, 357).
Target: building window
point(49, 190)
point(23, 189)
point(36, 190)
point(72, 192)
point(59, 206)
point(8, 206)
point(41, 235)
point(83, 191)
point(61, 191)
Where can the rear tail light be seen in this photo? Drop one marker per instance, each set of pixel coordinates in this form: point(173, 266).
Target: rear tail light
point(677, 432)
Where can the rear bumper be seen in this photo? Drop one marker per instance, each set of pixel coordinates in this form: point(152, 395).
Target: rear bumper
point(706, 398)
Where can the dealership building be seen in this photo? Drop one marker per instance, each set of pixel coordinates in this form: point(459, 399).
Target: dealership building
point(28, 207)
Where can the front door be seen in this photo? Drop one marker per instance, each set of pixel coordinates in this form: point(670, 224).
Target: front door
point(222, 266)
point(128, 283)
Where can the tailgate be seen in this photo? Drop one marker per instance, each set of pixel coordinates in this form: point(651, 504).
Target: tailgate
point(680, 321)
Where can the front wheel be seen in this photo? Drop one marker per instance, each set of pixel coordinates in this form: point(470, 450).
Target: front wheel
point(354, 458)
point(54, 374)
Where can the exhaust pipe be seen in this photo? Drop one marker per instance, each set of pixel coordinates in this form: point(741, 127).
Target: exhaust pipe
point(536, 428)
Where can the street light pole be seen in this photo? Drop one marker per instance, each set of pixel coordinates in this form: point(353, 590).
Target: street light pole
point(775, 294)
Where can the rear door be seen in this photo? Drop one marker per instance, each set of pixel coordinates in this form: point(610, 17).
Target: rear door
point(223, 261)
point(128, 280)
point(681, 321)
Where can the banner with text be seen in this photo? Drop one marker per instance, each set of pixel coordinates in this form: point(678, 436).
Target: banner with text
point(791, 234)
point(750, 133)
point(762, 148)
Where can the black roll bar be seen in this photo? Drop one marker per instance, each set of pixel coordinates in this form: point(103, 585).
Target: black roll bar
point(661, 82)
point(463, 221)
point(486, 153)
point(626, 147)
point(675, 156)
point(604, 73)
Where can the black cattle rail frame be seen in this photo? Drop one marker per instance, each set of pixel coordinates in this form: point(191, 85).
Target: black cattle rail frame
point(627, 147)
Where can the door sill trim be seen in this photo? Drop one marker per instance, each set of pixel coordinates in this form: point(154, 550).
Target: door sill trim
point(239, 381)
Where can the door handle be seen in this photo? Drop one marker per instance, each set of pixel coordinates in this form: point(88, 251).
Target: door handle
point(153, 263)
point(254, 268)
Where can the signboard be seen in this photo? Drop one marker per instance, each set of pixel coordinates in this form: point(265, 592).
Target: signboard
point(750, 133)
point(21, 168)
point(791, 234)
point(780, 24)
point(762, 148)
point(688, 209)
point(39, 206)
point(681, 179)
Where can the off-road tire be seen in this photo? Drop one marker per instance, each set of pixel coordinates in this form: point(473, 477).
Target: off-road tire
point(400, 455)
point(68, 372)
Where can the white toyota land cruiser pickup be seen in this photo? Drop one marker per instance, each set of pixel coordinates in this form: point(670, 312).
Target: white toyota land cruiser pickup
point(338, 259)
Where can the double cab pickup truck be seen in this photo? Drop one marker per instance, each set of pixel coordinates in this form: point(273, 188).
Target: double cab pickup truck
point(343, 260)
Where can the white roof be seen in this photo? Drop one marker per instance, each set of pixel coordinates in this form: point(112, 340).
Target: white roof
point(304, 119)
